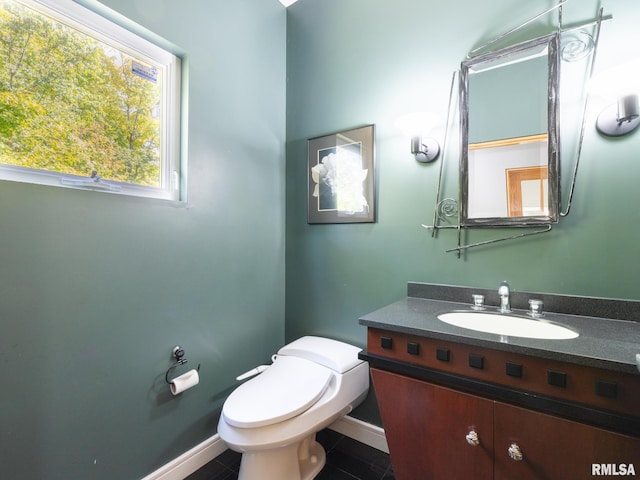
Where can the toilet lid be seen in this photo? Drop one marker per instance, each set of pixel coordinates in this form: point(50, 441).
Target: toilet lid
point(285, 389)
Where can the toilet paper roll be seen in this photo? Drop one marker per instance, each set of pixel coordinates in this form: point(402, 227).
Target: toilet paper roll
point(184, 382)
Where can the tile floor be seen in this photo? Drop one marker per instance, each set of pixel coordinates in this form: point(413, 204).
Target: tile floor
point(347, 459)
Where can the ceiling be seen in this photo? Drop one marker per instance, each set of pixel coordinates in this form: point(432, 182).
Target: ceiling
point(286, 3)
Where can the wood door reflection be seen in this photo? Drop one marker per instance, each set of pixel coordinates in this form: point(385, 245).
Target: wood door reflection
point(527, 190)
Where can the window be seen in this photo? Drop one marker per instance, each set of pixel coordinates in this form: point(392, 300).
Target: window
point(85, 103)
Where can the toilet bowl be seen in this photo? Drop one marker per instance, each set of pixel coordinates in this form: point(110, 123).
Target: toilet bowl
point(272, 419)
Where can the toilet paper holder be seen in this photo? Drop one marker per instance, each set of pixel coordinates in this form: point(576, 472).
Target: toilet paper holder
point(178, 353)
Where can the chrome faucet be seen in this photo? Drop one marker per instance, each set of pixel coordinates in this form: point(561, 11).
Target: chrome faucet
point(504, 291)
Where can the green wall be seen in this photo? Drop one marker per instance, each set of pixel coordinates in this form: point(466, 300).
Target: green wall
point(357, 62)
point(96, 289)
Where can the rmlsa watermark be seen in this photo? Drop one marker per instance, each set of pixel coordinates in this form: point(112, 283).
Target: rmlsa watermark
point(613, 469)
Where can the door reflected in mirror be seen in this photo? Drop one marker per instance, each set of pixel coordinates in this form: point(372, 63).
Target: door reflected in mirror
point(502, 175)
point(527, 190)
point(509, 170)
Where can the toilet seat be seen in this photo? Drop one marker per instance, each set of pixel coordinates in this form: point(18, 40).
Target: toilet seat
point(285, 389)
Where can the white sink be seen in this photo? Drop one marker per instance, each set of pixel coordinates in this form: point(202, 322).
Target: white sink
point(502, 324)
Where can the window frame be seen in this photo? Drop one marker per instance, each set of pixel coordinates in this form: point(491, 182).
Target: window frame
point(169, 64)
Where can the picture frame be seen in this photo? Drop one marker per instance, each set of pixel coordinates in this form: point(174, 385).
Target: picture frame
point(341, 177)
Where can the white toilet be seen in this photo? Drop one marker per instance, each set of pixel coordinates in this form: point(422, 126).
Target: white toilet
point(273, 418)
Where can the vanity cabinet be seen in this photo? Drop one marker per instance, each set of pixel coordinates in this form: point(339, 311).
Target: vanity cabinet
point(455, 411)
point(435, 433)
point(426, 428)
point(553, 447)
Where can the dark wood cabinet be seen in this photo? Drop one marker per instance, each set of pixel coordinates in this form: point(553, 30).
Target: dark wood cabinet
point(427, 427)
point(452, 412)
point(554, 448)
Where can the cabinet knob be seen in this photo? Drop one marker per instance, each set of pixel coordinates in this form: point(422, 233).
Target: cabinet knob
point(515, 453)
point(472, 438)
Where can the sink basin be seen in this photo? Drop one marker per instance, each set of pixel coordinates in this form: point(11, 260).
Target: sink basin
point(509, 325)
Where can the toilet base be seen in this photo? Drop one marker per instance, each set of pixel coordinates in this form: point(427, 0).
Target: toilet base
point(299, 461)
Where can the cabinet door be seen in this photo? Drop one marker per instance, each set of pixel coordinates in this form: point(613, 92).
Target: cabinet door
point(553, 448)
point(426, 428)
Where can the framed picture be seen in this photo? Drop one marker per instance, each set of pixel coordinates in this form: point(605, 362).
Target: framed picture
point(341, 177)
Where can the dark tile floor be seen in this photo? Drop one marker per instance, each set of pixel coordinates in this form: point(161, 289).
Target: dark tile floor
point(347, 459)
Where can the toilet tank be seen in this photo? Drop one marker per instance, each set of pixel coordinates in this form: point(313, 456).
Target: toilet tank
point(338, 356)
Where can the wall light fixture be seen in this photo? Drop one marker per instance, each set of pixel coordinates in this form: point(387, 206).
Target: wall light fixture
point(417, 127)
point(425, 150)
point(621, 118)
point(619, 85)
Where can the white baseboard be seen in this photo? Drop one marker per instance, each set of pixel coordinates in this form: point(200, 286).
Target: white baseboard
point(363, 432)
point(201, 454)
point(190, 461)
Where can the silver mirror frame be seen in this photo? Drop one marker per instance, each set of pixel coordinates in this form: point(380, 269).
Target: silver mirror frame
point(552, 42)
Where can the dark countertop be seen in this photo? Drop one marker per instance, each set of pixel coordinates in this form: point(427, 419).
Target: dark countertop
point(610, 344)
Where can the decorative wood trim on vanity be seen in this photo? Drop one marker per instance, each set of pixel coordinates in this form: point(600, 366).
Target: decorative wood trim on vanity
point(599, 397)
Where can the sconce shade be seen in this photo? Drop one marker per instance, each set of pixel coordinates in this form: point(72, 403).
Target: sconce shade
point(621, 118)
point(416, 123)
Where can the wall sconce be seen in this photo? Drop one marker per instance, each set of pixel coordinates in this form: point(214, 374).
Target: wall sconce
point(619, 83)
point(621, 118)
point(425, 150)
point(417, 126)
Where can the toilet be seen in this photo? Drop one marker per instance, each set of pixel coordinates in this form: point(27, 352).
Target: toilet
point(273, 418)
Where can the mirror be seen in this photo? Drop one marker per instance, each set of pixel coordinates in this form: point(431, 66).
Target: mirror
point(509, 169)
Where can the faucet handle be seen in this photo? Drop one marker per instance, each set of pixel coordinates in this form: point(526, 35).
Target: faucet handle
point(478, 302)
point(535, 307)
